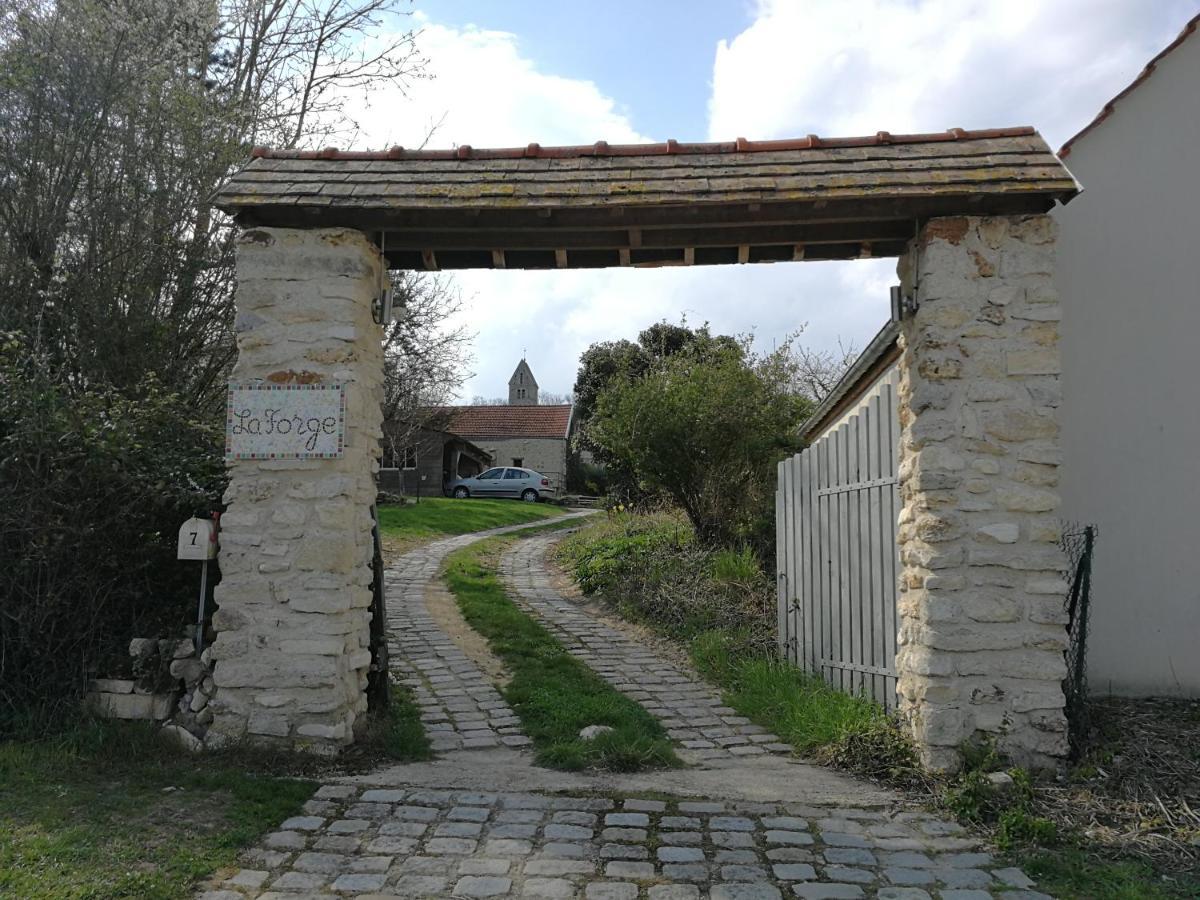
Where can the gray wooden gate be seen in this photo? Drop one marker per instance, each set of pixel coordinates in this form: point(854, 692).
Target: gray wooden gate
point(836, 509)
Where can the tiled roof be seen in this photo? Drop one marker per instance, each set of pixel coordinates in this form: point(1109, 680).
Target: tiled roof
point(650, 204)
point(1014, 159)
point(1188, 30)
point(483, 422)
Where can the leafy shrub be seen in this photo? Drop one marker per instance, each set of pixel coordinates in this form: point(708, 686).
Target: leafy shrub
point(706, 431)
point(652, 567)
point(93, 488)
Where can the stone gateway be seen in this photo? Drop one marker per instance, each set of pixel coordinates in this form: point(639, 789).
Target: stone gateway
point(980, 634)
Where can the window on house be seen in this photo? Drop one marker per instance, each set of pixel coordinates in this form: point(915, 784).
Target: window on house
point(518, 461)
point(400, 458)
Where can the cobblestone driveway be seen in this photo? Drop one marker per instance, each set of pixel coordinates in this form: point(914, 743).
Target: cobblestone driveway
point(430, 843)
point(691, 710)
point(460, 708)
point(597, 843)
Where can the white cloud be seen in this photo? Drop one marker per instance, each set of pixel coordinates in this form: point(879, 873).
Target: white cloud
point(837, 68)
point(482, 91)
point(827, 66)
point(553, 316)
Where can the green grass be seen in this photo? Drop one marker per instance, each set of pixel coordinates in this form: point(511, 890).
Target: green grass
point(89, 816)
point(801, 709)
point(718, 604)
point(399, 734)
point(553, 693)
point(1072, 873)
point(436, 517)
point(851, 732)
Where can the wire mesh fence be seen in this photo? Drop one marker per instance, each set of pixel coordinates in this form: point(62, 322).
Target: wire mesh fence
point(1078, 542)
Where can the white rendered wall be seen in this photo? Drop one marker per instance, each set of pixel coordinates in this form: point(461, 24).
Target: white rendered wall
point(1130, 291)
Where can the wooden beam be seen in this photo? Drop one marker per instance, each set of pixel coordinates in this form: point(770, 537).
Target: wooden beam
point(498, 259)
point(744, 253)
point(470, 238)
point(560, 258)
point(864, 252)
point(798, 253)
point(429, 260)
point(624, 255)
point(689, 256)
point(694, 215)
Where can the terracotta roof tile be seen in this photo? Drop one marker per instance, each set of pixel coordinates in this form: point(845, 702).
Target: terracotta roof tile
point(1189, 29)
point(670, 147)
point(482, 422)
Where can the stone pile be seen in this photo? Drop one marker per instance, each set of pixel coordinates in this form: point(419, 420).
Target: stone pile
point(192, 713)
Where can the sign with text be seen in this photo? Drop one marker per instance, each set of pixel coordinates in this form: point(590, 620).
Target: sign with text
point(285, 421)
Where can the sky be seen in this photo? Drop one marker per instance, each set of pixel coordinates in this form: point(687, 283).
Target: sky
point(510, 73)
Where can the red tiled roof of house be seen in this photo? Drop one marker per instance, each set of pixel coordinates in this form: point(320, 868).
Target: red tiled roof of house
point(1189, 29)
point(508, 421)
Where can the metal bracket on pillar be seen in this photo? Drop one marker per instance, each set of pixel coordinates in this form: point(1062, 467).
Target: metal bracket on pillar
point(903, 307)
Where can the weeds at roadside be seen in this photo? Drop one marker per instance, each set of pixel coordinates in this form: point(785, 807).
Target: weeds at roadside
point(398, 733)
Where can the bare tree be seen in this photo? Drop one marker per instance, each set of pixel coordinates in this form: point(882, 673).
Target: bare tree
point(117, 122)
point(817, 372)
point(427, 356)
point(548, 398)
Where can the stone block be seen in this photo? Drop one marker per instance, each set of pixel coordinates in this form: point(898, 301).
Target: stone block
point(151, 707)
point(112, 686)
point(1033, 362)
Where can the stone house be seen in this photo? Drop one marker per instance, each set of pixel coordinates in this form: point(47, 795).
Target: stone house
point(522, 433)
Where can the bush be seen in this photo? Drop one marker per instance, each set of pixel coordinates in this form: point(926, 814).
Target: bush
point(706, 431)
point(652, 567)
point(93, 488)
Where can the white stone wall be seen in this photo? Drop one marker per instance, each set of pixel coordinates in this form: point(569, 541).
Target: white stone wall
point(291, 654)
point(981, 604)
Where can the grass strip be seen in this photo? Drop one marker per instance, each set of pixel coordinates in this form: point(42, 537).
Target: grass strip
point(108, 812)
point(553, 693)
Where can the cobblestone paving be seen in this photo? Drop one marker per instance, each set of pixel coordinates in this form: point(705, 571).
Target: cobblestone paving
point(460, 708)
point(356, 842)
point(691, 710)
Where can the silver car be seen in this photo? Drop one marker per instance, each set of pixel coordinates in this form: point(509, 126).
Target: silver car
point(505, 481)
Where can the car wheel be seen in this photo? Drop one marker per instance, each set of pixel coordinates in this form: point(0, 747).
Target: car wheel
point(529, 495)
point(461, 493)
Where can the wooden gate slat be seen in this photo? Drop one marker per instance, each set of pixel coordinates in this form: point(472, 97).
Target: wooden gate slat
point(836, 514)
point(784, 538)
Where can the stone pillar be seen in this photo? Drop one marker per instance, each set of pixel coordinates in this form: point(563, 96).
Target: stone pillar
point(982, 576)
point(293, 624)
